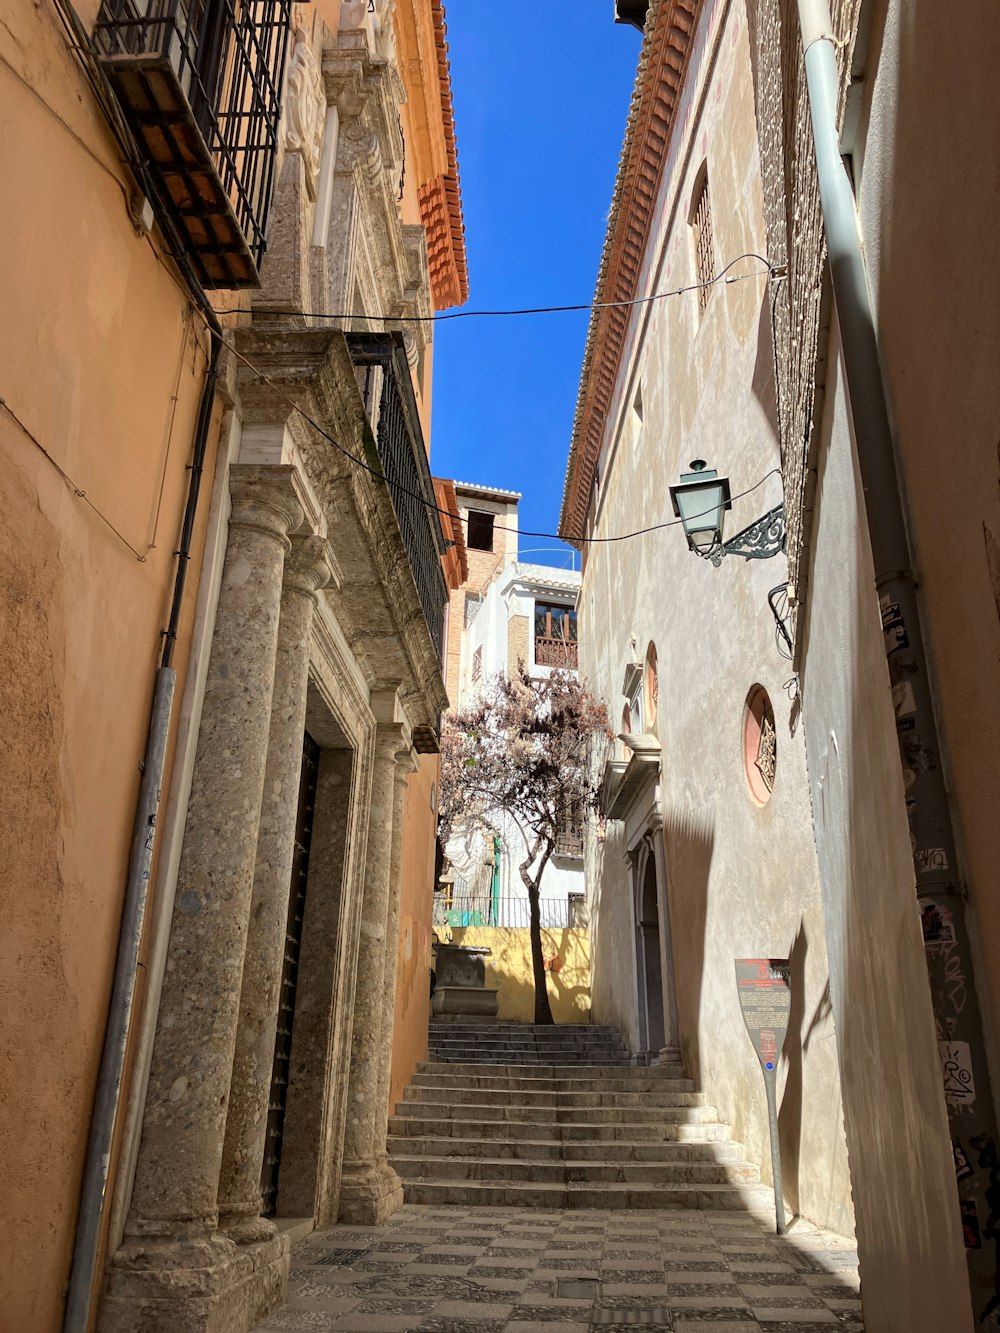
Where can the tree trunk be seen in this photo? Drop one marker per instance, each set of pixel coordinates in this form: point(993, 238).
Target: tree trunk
point(543, 1013)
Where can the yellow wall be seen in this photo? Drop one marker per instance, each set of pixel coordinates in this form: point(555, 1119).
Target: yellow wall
point(508, 969)
point(416, 891)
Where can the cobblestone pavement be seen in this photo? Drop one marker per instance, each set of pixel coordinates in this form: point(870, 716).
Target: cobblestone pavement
point(516, 1270)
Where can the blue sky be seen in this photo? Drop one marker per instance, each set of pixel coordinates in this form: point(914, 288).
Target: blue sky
point(541, 99)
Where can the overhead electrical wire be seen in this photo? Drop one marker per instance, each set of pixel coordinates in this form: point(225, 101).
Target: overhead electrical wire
point(773, 272)
point(379, 475)
point(442, 316)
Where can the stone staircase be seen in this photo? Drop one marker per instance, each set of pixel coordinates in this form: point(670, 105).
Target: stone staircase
point(522, 1116)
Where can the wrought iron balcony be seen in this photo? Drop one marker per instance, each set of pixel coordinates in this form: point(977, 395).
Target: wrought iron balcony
point(199, 82)
point(388, 391)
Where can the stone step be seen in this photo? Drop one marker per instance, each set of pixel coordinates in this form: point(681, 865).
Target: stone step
point(612, 1082)
point(488, 1069)
point(487, 1112)
point(666, 1095)
point(504, 1170)
point(688, 1123)
point(463, 1057)
point(578, 1150)
point(602, 1031)
point(754, 1199)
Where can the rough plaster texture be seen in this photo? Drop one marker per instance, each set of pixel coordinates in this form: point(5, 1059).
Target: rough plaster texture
point(933, 255)
point(416, 891)
point(909, 1235)
point(741, 879)
point(931, 264)
point(81, 617)
point(509, 970)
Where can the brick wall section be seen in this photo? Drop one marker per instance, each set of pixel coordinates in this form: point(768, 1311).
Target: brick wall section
point(518, 646)
point(794, 237)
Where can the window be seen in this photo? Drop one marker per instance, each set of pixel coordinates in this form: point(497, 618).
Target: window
point(701, 234)
point(480, 534)
point(200, 86)
point(760, 745)
point(569, 841)
point(477, 663)
point(472, 604)
point(576, 904)
point(555, 636)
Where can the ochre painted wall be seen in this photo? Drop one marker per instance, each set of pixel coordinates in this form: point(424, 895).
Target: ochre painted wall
point(508, 970)
point(103, 365)
point(416, 892)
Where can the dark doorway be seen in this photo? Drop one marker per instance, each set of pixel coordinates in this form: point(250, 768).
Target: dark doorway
point(650, 974)
point(289, 977)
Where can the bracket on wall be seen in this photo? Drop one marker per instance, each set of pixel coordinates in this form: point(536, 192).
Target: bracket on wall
point(763, 539)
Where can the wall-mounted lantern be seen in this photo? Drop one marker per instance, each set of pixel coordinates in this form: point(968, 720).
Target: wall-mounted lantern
point(700, 501)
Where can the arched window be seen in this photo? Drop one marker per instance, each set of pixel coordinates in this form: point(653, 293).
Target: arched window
point(700, 221)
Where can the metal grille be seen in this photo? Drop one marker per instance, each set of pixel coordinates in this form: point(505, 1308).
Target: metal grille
point(289, 978)
point(200, 83)
point(340, 1258)
point(704, 248)
point(400, 444)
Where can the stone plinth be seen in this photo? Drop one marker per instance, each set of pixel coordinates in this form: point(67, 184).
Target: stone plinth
point(460, 989)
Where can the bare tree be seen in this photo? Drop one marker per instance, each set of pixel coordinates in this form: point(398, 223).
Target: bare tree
point(526, 752)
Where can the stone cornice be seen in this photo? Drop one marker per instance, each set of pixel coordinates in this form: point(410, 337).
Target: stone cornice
point(377, 604)
point(663, 67)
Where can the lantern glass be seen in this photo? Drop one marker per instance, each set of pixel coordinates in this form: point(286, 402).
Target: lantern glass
point(700, 500)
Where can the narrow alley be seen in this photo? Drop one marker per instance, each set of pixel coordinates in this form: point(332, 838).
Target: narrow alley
point(553, 1187)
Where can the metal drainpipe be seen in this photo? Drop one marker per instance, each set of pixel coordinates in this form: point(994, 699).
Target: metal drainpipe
point(965, 1071)
point(97, 1167)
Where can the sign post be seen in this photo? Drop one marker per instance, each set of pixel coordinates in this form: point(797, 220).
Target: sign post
point(765, 999)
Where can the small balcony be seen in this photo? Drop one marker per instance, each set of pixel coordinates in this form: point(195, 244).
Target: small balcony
point(552, 652)
point(199, 83)
point(384, 378)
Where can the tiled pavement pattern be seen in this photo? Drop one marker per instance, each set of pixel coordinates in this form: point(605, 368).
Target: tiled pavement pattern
point(523, 1270)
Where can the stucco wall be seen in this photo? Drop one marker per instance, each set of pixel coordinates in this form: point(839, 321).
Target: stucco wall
point(907, 1207)
point(929, 196)
point(416, 891)
point(509, 970)
point(742, 879)
point(102, 365)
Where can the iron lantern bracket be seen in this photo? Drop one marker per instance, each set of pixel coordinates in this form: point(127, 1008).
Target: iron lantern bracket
point(763, 539)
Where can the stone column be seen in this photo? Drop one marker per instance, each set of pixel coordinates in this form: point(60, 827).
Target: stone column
point(406, 763)
point(307, 569)
point(370, 1190)
point(171, 1229)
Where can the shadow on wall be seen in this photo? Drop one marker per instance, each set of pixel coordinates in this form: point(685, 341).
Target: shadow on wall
point(508, 969)
point(795, 1048)
point(689, 844)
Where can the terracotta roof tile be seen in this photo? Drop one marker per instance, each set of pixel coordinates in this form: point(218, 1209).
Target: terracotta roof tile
point(662, 66)
point(441, 199)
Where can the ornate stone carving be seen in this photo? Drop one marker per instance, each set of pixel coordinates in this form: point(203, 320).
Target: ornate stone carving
point(305, 109)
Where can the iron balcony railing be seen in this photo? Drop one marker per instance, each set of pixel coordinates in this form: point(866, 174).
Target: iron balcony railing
point(462, 907)
point(384, 376)
point(200, 84)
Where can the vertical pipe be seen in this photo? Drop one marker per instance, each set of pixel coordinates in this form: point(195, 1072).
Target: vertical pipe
point(960, 1030)
point(109, 1080)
